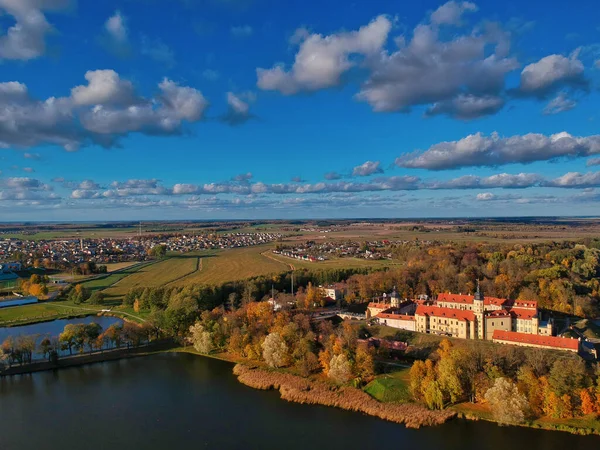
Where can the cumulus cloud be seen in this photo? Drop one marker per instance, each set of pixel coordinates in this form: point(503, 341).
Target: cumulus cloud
point(332, 176)
point(104, 87)
point(34, 156)
point(238, 108)
point(322, 60)
point(462, 77)
point(502, 180)
point(26, 190)
point(451, 12)
point(480, 150)
point(26, 122)
point(468, 106)
point(116, 35)
point(485, 197)
point(102, 111)
point(551, 72)
point(576, 180)
point(593, 162)
point(164, 115)
point(560, 103)
point(26, 39)
point(243, 177)
point(366, 169)
point(132, 188)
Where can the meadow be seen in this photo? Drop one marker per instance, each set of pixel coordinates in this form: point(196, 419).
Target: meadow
point(160, 273)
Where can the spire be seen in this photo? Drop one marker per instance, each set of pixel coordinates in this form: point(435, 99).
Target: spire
point(478, 294)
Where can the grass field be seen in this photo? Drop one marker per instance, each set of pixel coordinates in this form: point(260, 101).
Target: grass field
point(391, 387)
point(104, 282)
point(336, 263)
point(231, 265)
point(157, 274)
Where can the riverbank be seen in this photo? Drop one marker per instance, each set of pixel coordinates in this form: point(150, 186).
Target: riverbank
point(584, 426)
point(85, 359)
point(302, 390)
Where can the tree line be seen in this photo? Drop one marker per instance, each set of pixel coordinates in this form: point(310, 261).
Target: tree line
point(517, 384)
point(75, 339)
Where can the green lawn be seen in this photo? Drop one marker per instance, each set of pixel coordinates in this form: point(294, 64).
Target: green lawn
point(108, 280)
point(391, 387)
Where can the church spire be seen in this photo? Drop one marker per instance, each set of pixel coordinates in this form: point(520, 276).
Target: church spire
point(478, 294)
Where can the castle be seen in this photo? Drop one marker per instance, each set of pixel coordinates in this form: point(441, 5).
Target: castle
point(470, 317)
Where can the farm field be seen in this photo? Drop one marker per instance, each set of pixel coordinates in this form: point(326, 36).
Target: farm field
point(337, 263)
point(221, 266)
point(113, 267)
point(104, 282)
point(152, 275)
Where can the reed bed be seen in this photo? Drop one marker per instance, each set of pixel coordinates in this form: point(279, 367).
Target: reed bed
point(301, 390)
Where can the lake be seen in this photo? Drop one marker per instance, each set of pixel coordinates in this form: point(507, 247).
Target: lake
point(54, 328)
point(176, 401)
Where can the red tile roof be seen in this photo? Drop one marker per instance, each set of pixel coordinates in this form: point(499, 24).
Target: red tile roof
point(395, 316)
point(498, 313)
point(450, 313)
point(525, 304)
point(469, 299)
point(521, 313)
point(379, 305)
point(533, 339)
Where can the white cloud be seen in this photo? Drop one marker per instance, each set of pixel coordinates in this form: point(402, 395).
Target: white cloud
point(560, 103)
point(105, 87)
point(164, 115)
point(462, 77)
point(332, 176)
point(480, 150)
point(593, 162)
point(321, 60)
point(26, 39)
point(367, 168)
point(210, 75)
point(100, 112)
point(468, 106)
point(576, 180)
point(485, 196)
point(551, 72)
point(116, 27)
point(238, 108)
point(451, 12)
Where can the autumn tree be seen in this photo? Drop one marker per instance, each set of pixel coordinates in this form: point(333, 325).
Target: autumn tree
point(201, 339)
point(340, 369)
point(507, 403)
point(274, 350)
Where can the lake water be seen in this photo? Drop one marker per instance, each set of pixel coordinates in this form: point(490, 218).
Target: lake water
point(177, 401)
point(54, 328)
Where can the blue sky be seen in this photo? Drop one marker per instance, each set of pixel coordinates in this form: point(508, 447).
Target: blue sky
point(185, 109)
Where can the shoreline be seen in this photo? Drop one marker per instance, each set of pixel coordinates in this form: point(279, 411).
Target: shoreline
point(86, 358)
point(302, 390)
point(296, 389)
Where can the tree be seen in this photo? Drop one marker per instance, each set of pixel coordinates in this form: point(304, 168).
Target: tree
point(46, 346)
point(507, 403)
point(274, 350)
point(339, 369)
point(67, 337)
point(97, 298)
point(158, 251)
point(201, 339)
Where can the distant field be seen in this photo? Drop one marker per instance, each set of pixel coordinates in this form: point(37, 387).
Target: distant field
point(101, 283)
point(119, 266)
point(158, 274)
point(337, 263)
point(233, 264)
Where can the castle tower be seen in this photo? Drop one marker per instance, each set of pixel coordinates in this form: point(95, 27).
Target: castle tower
point(479, 311)
point(395, 298)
